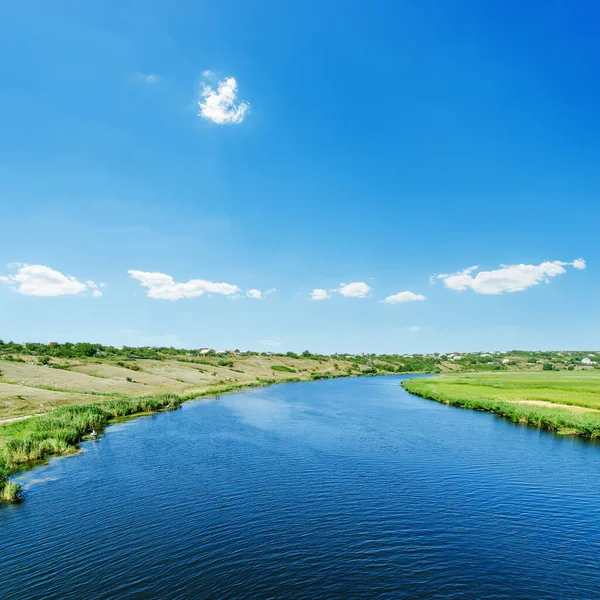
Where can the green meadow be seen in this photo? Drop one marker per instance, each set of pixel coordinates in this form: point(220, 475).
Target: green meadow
point(567, 402)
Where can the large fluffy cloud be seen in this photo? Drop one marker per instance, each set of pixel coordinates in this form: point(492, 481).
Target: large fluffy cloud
point(39, 280)
point(357, 289)
point(508, 278)
point(219, 105)
point(402, 297)
point(164, 287)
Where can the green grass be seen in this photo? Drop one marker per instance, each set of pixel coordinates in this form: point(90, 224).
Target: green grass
point(502, 394)
point(283, 368)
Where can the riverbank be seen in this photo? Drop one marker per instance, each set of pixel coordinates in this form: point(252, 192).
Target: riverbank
point(32, 384)
point(25, 442)
point(564, 402)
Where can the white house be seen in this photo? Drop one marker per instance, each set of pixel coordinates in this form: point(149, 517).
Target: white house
point(587, 361)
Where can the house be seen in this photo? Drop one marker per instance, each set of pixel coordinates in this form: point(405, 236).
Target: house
point(236, 351)
point(204, 351)
point(587, 361)
point(505, 361)
point(457, 357)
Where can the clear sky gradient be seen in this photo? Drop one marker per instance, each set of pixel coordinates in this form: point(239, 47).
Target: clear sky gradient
point(375, 143)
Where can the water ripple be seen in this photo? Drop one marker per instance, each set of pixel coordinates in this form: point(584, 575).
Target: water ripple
point(333, 489)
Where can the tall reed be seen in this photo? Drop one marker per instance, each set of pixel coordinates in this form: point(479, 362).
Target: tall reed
point(61, 430)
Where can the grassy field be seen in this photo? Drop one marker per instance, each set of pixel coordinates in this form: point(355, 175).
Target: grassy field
point(566, 402)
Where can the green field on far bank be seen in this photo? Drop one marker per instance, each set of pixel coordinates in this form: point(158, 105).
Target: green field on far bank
point(563, 401)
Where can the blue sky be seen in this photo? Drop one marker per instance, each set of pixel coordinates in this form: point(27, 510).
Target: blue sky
point(376, 144)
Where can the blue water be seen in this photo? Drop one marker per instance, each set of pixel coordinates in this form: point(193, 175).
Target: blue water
point(347, 488)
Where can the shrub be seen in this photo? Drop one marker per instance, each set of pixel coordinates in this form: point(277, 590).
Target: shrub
point(283, 368)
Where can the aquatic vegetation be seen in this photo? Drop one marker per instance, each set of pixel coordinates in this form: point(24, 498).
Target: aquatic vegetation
point(60, 431)
point(10, 491)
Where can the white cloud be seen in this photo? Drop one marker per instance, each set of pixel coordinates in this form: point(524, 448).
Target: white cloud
point(509, 278)
point(39, 280)
point(258, 295)
point(270, 343)
point(219, 105)
point(402, 297)
point(96, 293)
point(149, 78)
point(319, 294)
point(357, 289)
point(164, 287)
point(413, 329)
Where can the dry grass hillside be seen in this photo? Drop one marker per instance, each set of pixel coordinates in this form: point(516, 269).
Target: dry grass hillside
point(26, 388)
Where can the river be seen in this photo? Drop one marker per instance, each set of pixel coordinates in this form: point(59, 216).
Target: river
point(347, 488)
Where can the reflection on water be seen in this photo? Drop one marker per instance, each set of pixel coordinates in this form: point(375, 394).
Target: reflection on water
point(258, 411)
point(330, 489)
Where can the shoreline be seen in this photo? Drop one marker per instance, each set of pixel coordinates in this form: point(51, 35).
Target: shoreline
point(577, 420)
point(25, 450)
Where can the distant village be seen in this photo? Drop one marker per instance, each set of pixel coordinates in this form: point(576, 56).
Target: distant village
point(393, 362)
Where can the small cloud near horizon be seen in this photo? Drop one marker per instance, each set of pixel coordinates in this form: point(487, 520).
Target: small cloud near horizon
point(319, 294)
point(258, 295)
point(357, 289)
point(403, 297)
point(413, 329)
